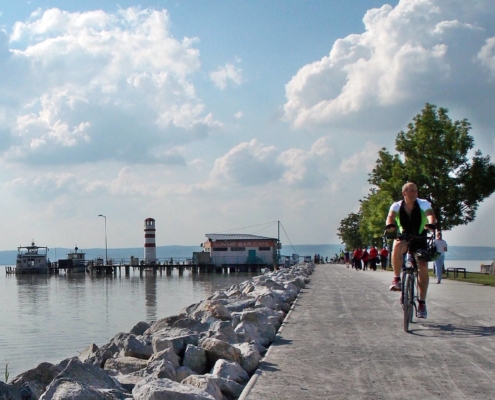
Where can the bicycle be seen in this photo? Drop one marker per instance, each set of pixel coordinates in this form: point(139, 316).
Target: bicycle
point(409, 277)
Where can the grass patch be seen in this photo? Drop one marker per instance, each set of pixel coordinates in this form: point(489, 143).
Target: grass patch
point(471, 277)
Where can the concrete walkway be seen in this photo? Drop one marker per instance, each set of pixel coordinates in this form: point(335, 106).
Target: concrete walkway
point(344, 339)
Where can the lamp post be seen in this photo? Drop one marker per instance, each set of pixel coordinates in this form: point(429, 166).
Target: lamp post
point(106, 248)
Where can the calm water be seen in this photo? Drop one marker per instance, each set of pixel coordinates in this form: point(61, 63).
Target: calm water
point(49, 318)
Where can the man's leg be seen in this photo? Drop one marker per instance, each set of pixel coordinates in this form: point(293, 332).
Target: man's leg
point(423, 279)
point(398, 251)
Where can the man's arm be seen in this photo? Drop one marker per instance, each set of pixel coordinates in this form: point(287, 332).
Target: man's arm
point(430, 216)
point(391, 218)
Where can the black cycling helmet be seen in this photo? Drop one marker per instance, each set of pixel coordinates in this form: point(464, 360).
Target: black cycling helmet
point(429, 253)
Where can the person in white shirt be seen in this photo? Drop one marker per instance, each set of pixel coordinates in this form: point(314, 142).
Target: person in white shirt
point(438, 263)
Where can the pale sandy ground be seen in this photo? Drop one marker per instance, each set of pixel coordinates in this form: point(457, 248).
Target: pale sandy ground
point(345, 340)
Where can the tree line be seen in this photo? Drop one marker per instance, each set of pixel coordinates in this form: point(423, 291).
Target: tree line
point(432, 153)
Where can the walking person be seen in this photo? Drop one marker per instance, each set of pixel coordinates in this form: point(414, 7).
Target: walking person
point(438, 263)
point(384, 257)
point(366, 259)
point(373, 256)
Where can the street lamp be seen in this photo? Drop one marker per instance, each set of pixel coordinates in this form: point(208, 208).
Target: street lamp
point(106, 248)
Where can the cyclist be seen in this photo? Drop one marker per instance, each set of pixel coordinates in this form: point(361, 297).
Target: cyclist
point(411, 215)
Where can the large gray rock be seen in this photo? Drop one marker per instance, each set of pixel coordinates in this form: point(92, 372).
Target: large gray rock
point(223, 330)
point(250, 356)
point(216, 349)
point(67, 389)
point(9, 392)
point(131, 346)
point(240, 305)
point(157, 389)
point(83, 381)
point(103, 353)
point(88, 352)
point(124, 365)
point(229, 388)
point(167, 354)
point(262, 334)
point(195, 359)
point(210, 310)
point(230, 370)
point(36, 380)
point(163, 323)
point(178, 339)
point(183, 372)
point(139, 328)
point(203, 382)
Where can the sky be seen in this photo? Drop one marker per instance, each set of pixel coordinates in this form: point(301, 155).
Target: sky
point(224, 116)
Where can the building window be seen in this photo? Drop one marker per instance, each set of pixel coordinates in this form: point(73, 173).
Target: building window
point(264, 248)
point(237, 249)
point(220, 249)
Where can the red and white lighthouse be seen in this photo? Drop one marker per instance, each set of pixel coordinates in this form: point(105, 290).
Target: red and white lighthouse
point(149, 241)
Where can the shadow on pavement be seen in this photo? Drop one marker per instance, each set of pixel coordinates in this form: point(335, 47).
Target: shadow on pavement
point(266, 366)
point(454, 330)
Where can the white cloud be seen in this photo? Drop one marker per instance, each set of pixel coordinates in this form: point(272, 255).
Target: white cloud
point(223, 75)
point(249, 163)
point(238, 115)
point(487, 55)
point(420, 51)
point(88, 80)
point(364, 160)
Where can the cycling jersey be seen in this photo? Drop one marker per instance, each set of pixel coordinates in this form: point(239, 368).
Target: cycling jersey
point(415, 223)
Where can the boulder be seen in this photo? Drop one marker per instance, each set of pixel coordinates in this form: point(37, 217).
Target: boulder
point(167, 354)
point(154, 389)
point(250, 356)
point(210, 310)
point(67, 389)
point(139, 328)
point(203, 382)
point(174, 338)
point(124, 365)
point(195, 359)
point(37, 379)
point(229, 388)
point(230, 370)
point(183, 372)
point(9, 392)
point(216, 349)
point(88, 352)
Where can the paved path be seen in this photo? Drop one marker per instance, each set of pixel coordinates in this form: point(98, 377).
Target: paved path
point(344, 340)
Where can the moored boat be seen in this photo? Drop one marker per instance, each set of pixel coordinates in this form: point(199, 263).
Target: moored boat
point(32, 260)
point(74, 263)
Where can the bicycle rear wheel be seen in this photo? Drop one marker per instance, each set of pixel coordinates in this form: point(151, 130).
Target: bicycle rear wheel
point(407, 300)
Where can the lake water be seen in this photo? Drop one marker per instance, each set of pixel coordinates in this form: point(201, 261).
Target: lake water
point(50, 318)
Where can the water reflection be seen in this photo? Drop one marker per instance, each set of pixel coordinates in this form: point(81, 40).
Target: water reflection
point(49, 317)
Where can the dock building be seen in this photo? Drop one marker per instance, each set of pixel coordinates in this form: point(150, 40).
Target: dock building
point(241, 249)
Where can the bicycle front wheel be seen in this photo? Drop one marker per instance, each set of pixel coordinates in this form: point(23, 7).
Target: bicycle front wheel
point(408, 300)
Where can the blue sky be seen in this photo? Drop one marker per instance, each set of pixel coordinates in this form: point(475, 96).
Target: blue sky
point(215, 116)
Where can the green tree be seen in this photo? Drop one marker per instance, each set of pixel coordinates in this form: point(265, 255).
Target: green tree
point(433, 153)
point(373, 212)
point(348, 231)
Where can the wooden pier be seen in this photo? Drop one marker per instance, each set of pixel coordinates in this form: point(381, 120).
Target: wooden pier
point(156, 269)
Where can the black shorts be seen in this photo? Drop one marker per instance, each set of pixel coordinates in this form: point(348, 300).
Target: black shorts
point(420, 243)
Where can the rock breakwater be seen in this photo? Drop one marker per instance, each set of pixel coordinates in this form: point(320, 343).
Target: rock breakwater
point(208, 351)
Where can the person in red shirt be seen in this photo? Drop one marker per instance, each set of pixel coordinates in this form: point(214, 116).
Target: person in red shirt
point(384, 257)
point(358, 255)
point(373, 256)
